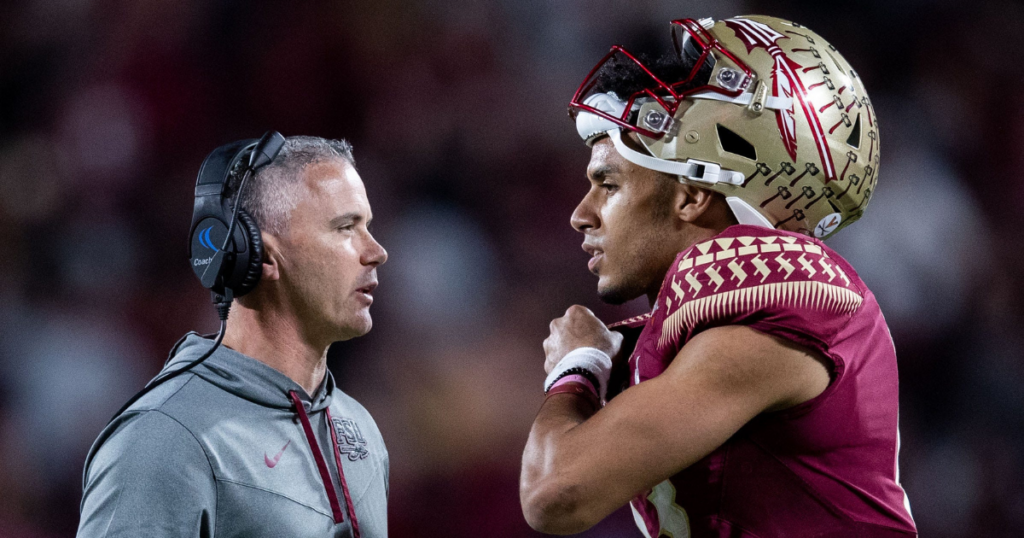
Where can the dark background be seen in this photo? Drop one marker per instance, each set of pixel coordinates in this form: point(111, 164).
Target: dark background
point(457, 113)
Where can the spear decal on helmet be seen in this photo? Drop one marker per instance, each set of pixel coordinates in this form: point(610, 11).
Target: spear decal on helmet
point(785, 83)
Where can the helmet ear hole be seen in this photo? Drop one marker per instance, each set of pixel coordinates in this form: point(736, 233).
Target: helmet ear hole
point(854, 140)
point(735, 144)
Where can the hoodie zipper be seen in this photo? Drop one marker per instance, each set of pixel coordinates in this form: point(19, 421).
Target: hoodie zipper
point(321, 464)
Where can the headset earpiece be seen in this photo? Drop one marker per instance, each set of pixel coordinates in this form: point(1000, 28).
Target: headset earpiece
point(253, 259)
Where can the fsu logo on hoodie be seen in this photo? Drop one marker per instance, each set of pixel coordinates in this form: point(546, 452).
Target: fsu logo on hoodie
point(350, 440)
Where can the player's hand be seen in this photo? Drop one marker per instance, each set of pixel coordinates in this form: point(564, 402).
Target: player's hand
point(579, 327)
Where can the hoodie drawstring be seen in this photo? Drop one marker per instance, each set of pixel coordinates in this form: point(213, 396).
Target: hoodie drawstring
point(341, 475)
point(321, 464)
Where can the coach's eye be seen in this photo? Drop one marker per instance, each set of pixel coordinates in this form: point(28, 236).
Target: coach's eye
point(610, 187)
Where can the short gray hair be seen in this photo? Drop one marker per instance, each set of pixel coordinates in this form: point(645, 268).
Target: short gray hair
point(271, 193)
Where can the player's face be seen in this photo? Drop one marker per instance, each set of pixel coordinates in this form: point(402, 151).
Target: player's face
point(329, 259)
point(628, 221)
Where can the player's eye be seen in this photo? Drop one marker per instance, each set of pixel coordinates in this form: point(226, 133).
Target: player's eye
point(609, 187)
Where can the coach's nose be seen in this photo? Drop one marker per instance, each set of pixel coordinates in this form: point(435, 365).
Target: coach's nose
point(374, 253)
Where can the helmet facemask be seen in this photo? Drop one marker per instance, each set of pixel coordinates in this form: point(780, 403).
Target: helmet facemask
point(699, 64)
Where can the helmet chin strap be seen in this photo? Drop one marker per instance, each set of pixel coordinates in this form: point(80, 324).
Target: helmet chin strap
point(691, 169)
point(694, 170)
point(744, 99)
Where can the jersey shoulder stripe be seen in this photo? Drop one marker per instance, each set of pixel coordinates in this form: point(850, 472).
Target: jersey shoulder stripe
point(631, 323)
point(728, 277)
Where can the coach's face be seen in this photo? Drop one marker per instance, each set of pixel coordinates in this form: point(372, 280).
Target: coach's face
point(628, 222)
point(328, 257)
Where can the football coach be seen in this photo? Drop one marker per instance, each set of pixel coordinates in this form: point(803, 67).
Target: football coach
point(247, 434)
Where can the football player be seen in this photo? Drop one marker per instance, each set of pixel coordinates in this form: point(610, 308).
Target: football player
point(760, 395)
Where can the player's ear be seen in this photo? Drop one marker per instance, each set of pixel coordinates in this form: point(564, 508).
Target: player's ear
point(692, 202)
point(271, 257)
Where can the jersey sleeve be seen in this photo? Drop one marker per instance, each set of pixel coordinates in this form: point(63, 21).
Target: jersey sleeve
point(783, 285)
point(150, 478)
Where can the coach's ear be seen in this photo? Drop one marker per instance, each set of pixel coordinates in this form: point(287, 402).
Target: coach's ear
point(271, 258)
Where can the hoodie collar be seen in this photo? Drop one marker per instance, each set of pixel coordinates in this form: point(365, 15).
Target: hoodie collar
point(247, 377)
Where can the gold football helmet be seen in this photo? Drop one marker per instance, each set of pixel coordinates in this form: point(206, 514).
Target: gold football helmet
point(762, 110)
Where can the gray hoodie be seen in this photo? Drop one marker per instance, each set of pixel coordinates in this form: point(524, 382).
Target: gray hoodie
point(223, 451)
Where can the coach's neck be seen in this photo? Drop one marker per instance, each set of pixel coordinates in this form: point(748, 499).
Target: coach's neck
point(267, 327)
point(276, 338)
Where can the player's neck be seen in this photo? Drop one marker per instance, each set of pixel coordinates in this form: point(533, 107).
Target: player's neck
point(693, 234)
point(279, 342)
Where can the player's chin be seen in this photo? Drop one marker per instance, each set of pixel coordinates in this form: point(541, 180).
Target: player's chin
point(613, 293)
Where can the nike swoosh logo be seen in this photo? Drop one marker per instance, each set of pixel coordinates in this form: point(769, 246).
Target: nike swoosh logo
point(273, 462)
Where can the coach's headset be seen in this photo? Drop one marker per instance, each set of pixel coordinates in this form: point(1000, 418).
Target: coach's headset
point(233, 268)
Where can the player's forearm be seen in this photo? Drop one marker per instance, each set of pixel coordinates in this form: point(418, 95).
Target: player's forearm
point(551, 499)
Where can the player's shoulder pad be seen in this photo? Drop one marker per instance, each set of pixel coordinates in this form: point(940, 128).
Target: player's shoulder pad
point(730, 276)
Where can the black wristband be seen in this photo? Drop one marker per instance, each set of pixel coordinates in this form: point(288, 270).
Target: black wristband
point(579, 371)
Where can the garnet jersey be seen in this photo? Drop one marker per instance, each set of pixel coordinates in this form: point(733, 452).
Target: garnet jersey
point(827, 467)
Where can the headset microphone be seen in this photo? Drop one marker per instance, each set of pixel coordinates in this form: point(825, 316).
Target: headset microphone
point(234, 268)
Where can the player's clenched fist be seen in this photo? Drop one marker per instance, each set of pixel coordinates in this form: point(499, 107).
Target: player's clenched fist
point(578, 328)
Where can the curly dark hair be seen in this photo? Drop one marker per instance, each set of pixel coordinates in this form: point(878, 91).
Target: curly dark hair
point(624, 77)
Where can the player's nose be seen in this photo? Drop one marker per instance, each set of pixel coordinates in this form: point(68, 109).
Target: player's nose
point(584, 217)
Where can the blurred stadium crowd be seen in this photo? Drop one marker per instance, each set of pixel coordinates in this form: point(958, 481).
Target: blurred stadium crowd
point(457, 113)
